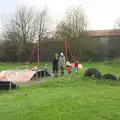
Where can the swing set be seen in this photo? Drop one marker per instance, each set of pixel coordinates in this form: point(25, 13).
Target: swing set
point(38, 55)
point(67, 47)
point(66, 50)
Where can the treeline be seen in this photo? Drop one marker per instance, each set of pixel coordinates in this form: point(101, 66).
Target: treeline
point(26, 27)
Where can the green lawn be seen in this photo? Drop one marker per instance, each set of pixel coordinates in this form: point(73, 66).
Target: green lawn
point(64, 98)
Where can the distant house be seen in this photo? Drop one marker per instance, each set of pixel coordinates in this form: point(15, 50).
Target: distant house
point(110, 40)
point(103, 33)
point(105, 36)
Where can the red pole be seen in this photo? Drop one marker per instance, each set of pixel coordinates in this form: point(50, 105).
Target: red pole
point(70, 50)
point(33, 50)
point(66, 49)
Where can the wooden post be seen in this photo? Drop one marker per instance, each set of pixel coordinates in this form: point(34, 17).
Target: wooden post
point(65, 44)
point(36, 73)
point(38, 54)
point(10, 86)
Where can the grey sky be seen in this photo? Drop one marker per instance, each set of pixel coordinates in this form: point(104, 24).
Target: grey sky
point(101, 13)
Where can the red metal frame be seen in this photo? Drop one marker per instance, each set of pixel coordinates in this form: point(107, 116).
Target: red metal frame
point(68, 46)
point(33, 50)
point(65, 45)
point(38, 55)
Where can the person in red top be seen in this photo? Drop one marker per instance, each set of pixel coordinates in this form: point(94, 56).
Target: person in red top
point(69, 68)
point(76, 63)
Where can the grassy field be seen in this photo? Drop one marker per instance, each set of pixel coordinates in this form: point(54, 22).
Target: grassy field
point(64, 98)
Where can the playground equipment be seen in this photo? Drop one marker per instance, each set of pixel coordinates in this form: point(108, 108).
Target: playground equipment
point(10, 78)
point(38, 55)
point(68, 49)
point(39, 72)
point(7, 85)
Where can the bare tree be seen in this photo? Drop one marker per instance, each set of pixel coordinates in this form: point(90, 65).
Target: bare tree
point(75, 22)
point(24, 22)
point(24, 26)
point(41, 24)
point(21, 26)
point(74, 29)
point(10, 32)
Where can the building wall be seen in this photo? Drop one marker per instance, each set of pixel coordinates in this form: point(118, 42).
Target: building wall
point(105, 41)
point(108, 43)
point(111, 45)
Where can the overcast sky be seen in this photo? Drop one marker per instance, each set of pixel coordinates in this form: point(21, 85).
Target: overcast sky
point(101, 13)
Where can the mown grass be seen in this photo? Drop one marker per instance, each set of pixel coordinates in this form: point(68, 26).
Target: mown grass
point(65, 98)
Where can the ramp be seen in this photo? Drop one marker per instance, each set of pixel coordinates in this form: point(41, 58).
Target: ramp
point(16, 75)
point(42, 73)
point(7, 85)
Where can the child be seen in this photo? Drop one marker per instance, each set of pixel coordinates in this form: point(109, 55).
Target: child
point(76, 63)
point(45, 67)
point(69, 68)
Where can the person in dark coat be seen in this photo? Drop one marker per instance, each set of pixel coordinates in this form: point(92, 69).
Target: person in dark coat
point(55, 64)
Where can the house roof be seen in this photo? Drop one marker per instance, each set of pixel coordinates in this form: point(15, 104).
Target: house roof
point(94, 33)
point(104, 32)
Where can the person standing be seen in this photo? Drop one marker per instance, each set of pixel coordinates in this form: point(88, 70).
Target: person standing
point(62, 63)
point(55, 64)
point(69, 68)
point(76, 63)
